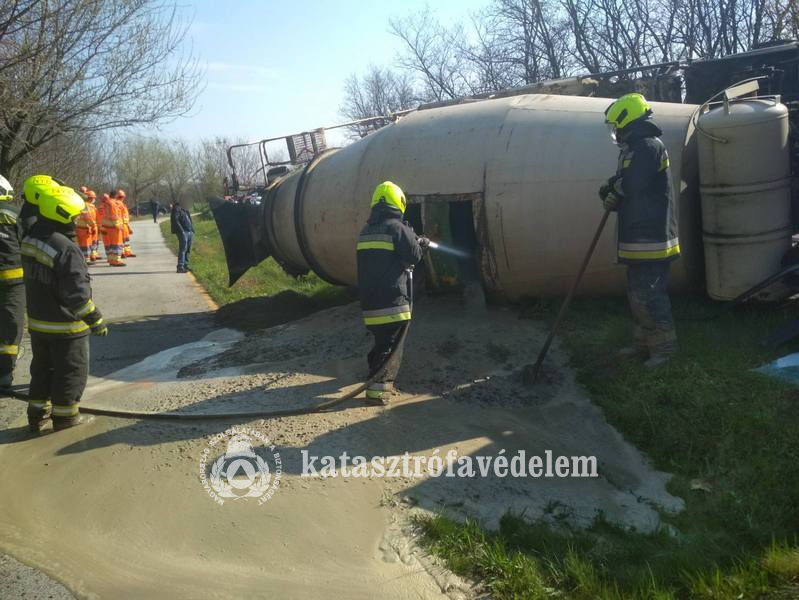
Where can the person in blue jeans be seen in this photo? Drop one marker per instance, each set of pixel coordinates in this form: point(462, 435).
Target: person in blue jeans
point(182, 227)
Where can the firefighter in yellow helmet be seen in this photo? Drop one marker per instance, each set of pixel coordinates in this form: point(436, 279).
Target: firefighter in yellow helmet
point(29, 212)
point(641, 193)
point(387, 248)
point(12, 289)
point(61, 312)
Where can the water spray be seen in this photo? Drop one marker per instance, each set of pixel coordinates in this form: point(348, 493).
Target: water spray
point(448, 250)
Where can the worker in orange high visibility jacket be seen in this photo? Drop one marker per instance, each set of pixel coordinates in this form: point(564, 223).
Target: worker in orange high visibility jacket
point(85, 228)
point(127, 250)
point(113, 230)
point(94, 255)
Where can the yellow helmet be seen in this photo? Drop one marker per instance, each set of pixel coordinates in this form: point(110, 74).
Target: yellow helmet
point(391, 194)
point(61, 204)
point(6, 191)
point(34, 187)
point(625, 110)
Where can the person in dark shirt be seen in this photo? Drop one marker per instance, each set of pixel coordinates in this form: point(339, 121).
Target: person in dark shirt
point(182, 227)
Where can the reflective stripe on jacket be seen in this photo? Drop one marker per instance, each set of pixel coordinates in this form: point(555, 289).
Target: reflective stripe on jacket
point(57, 284)
point(647, 218)
point(385, 249)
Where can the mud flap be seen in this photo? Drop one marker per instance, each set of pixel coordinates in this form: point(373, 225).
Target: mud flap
point(242, 237)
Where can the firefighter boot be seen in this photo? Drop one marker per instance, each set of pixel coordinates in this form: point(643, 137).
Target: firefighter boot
point(39, 414)
point(378, 393)
point(638, 347)
point(62, 423)
point(6, 381)
point(662, 346)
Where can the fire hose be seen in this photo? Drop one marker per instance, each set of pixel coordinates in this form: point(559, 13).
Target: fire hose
point(321, 407)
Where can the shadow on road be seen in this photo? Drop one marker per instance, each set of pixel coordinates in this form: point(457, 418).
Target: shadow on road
point(130, 341)
point(267, 311)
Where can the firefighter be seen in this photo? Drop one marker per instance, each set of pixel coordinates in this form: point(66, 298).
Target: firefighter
point(12, 288)
point(641, 193)
point(112, 226)
point(387, 248)
point(127, 251)
point(95, 241)
point(61, 312)
point(30, 211)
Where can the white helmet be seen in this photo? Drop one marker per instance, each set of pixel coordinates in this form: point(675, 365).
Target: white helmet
point(6, 191)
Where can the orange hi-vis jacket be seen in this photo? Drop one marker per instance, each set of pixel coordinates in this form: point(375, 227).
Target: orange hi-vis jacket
point(125, 217)
point(93, 216)
point(86, 225)
point(112, 223)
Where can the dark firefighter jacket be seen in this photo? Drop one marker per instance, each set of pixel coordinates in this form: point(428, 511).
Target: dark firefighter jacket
point(10, 234)
point(386, 248)
point(647, 225)
point(27, 217)
point(57, 284)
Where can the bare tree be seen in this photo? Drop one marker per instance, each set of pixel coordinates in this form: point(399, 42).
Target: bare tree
point(531, 37)
point(89, 65)
point(516, 42)
point(432, 52)
point(210, 167)
point(140, 164)
point(178, 172)
point(78, 158)
point(378, 92)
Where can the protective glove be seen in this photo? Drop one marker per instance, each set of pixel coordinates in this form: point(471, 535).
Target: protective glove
point(100, 330)
point(607, 193)
point(611, 201)
point(423, 242)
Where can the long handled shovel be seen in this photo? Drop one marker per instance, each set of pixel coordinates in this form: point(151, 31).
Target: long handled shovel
point(530, 373)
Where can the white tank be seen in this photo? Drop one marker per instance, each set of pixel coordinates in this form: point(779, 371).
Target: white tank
point(529, 167)
point(744, 173)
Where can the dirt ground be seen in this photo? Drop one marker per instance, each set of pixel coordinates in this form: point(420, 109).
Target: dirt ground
point(325, 536)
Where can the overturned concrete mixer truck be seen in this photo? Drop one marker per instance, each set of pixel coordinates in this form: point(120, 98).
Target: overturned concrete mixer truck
point(512, 182)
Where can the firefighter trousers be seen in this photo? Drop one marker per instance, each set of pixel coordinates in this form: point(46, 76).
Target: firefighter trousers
point(387, 339)
point(651, 308)
point(59, 370)
point(12, 320)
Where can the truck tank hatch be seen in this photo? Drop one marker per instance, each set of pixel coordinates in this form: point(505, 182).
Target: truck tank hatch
point(453, 266)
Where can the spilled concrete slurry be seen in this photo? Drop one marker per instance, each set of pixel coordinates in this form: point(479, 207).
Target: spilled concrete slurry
point(135, 521)
point(460, 391)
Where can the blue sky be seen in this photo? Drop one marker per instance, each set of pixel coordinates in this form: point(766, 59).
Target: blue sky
point(274, 69)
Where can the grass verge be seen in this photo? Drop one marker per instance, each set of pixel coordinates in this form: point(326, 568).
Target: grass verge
point(729, 436)
point(264, 280)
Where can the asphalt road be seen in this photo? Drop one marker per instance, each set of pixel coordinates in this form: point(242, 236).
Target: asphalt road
point(149, 307)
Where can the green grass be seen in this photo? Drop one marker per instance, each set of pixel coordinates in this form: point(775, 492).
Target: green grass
point(704, 417)
point(264, 280)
